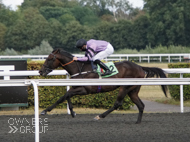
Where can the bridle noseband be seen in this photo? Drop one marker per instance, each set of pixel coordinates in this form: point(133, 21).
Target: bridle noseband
point(47, 69)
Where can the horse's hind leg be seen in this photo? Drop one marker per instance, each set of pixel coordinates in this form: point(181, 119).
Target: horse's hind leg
point(122, 93)
point(134, 97)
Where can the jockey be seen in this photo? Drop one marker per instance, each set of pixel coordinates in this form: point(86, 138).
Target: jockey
point(95, 51)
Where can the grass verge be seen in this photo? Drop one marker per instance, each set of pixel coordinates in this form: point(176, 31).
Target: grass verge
point(172, 102)
point(30, 111)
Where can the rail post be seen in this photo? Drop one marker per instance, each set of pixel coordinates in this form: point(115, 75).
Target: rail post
point(181, 95)
point(68, 87)
point(36, 102)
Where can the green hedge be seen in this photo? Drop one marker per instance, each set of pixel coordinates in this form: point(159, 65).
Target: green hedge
point(50, 94)
point(175, 89)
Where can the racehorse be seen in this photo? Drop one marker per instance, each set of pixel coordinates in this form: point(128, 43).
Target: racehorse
point(83, 70)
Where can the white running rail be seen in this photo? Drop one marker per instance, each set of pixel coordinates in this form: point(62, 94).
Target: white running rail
point(119, 57)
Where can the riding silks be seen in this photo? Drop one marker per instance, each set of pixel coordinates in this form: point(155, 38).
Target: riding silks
point(112, 68)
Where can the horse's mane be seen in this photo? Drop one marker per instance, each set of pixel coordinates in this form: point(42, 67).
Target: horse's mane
point(63, 52)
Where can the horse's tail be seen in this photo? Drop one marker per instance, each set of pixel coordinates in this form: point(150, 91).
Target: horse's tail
point(152, 71)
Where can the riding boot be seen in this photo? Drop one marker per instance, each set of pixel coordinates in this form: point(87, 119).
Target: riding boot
point(94, 67)
point(106, 69)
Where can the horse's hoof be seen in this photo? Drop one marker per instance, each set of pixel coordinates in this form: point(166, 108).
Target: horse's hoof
point(73, 114)
point(97, 118)
point(43, 112)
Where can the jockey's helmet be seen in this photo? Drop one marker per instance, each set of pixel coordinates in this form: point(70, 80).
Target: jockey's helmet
point(80, 43)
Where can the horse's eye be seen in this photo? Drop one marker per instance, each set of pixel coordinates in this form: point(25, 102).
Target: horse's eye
point(50, 59)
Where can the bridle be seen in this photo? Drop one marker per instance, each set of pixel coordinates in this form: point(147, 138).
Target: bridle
point(54, 57)
point(80, 69)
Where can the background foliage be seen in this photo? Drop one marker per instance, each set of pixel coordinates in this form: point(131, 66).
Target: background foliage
point(62, 22)
point(175, 89)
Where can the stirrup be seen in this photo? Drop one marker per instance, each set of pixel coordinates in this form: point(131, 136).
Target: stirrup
point(107, 72)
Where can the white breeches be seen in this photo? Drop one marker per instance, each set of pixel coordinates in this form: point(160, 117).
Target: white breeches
point(103, 54)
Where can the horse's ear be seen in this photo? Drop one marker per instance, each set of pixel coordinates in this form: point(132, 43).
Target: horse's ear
point(57, 51)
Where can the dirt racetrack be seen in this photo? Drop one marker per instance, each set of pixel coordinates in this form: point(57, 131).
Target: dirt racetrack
point(155, 127)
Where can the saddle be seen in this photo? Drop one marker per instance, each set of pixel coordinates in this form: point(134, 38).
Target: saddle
point(110, 65)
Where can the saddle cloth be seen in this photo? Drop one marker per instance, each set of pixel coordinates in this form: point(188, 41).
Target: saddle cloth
point(112, 68)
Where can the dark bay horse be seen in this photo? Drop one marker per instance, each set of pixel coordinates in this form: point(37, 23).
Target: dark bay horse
point(127, 69)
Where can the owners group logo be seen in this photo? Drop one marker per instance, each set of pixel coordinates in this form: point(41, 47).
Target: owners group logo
point(26, 125)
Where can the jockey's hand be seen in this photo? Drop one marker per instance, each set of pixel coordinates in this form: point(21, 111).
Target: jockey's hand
point(75, 58)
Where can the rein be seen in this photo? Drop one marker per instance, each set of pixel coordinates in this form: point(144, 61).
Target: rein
point(60, 62)
point(66, 63)
point(80, 73)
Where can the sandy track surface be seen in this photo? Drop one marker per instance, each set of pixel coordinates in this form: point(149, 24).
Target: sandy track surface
point(156, 127)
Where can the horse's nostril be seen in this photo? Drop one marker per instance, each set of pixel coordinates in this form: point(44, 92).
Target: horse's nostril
point(40, 72)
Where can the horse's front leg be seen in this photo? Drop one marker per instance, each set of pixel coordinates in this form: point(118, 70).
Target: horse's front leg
point(75, 91)
point(62, 99)
point(72, 92)
point(73, 114)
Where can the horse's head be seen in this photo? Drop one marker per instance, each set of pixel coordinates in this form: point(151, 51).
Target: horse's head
point(50, 63)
